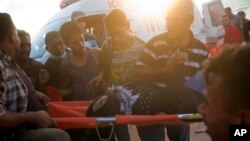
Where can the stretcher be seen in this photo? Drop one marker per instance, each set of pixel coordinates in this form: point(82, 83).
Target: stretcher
point(72, 115)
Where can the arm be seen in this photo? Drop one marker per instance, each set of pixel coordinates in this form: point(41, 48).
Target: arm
point(10, 120)
point(96, 52)
point(43, 79)
point(146, 72)
point(152, 73)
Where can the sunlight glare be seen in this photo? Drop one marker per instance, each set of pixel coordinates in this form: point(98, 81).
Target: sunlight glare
point(152, 7)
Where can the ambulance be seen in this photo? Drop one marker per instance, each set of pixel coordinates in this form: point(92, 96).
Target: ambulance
point(146, 18)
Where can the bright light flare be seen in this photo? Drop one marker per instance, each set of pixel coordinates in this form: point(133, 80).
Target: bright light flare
point(152, 7)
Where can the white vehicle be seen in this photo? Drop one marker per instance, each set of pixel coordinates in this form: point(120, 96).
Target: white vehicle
point(146, 18)
point(213, 12)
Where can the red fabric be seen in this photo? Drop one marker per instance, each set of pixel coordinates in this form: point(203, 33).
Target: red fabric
point(213, 50)
point(68, 109)
point(72, 115)
point(54, 94)
point(232, 35)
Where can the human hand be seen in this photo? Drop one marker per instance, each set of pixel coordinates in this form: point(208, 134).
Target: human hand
point(44, 99)
point(178, 58)
point(41, 119)
point(43, 76)
point(95, 81)
point(175, 58)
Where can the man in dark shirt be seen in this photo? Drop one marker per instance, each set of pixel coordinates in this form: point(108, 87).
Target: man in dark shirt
point(168, 62)
point(246, 31)
point(57, 49)
point(17, 95)
point(34, 69)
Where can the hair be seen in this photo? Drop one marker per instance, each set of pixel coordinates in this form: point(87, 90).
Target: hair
point(68, 29)
point(22, 33)
point(110, 108)
point(6, 26)
point(77, 15)
point(116, 17)
point(228, 9)
point(183, 7)
point(233, 65)
point(241, 13)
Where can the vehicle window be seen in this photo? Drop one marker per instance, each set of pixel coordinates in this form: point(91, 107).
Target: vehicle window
point(38, 45)
point(216, 11)
point(95, 25)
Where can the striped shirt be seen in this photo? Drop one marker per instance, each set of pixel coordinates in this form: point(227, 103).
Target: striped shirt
point(123, 61)
point(157, 52)
point(13, 91)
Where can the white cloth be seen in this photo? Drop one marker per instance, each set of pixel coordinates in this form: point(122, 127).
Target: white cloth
point(127, 99)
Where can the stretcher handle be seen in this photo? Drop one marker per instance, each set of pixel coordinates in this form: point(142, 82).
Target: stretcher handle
point(110, 121)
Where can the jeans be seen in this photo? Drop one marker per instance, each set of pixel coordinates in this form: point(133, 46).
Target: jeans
point(169, 101)
point(43, 134)
point(157, 133)
point(121, 132)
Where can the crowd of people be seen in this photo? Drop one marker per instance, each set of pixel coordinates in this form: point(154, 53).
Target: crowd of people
point(172, 73)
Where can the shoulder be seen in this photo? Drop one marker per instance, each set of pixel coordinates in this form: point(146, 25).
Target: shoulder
point(158, 40)
point(95, 50)
point(106, 43)
point(159, 37)
point(199, 44)
point(199, 48)
point(138, 40)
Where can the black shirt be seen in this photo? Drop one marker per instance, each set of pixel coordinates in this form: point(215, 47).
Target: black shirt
point(157, 52)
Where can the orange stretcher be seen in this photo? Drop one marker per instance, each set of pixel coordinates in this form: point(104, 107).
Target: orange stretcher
point(72, 115)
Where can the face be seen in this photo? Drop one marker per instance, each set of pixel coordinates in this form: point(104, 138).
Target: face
point(228, 12)
point(215, 117)
point(225, 21)
point(177, 25)
point(16, 40)
point(82, 23)
point(76, 43)
point(242, 16)
point(119, 34)
point(25, 47)
point(57, 49)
